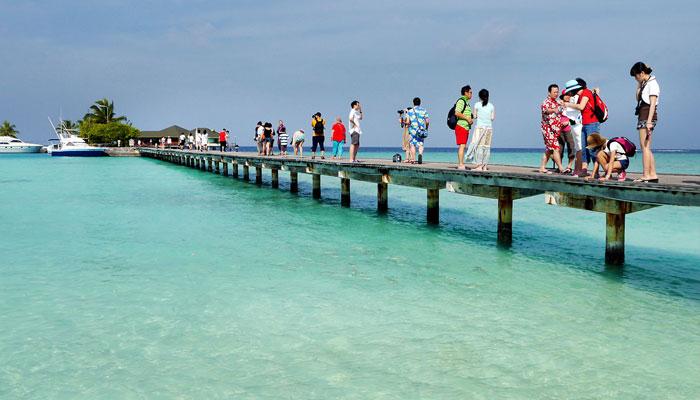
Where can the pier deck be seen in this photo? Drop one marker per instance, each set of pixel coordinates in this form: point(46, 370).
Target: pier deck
point(502, 182)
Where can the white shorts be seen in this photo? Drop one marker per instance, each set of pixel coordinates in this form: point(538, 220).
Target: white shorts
point(576, 130)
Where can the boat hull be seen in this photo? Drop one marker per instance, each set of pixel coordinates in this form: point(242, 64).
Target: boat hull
point(20, 149)
point(79, 153)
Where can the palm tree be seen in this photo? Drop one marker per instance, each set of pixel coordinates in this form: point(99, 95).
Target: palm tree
point(102, 112)
point(8, 129)
point(68, 124)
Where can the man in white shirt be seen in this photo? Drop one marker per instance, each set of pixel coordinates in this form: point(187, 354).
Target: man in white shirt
point(355, 131)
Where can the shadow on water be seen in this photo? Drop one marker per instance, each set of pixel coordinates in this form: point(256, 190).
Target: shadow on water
point(649, 269)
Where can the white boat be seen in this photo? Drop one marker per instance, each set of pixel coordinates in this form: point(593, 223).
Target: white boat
point(69, 144)
point(9, 144)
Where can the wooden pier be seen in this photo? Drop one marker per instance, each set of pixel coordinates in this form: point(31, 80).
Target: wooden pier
point(505, 183)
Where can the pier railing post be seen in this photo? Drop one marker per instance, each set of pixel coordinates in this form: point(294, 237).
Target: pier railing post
point(505, 216)
point(615, 239)
point(246, 172)
point(275, 178)
point(293, 181)
point(258, 174)
point(316, 186)
point(345, 192)
point(433, 206)
point(382, 197)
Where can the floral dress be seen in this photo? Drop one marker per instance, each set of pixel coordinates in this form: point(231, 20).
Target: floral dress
point(551, 123)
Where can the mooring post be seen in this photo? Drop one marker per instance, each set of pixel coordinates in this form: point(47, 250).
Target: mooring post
point(505, 216)
point(382, 197)
point(275, 178)
point(234, 169)
point(615, 239)
point(434, 206)
point(345, 192)
point(246, 172)
point(225, 172)
point(258, 174)
point(293, 181)
point(316, 187)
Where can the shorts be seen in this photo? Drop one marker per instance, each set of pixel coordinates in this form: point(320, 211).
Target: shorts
point(587, 130)
point(576, 130)
point(566, 139)
point(317, 141)
point(643, 124)
point(461, 135)
point(355, 138)
point(625, 164)
point(416, 140)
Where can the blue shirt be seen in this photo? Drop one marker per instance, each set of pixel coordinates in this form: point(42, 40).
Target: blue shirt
point(483, 114)
point(418, 120)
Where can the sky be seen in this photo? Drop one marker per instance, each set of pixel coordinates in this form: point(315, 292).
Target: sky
point(228, 64)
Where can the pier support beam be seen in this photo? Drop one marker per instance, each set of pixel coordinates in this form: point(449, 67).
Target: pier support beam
point(505, 216)
point(345, 192)
point(316, 187)
point(614, 239)
point(293, 181)
point(382, 197)
point(246, 173)
point(234, 170)
point(225, 172)
point(275, 178)
point(433, 206)
point(258, 175)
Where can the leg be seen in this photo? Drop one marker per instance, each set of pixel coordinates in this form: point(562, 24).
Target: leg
point(460, 156)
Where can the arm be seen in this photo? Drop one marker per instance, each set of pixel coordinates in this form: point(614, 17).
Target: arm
point(611, 164)
point(652, 108)
point(595, 171)
point(493, 114)
point(580, 106)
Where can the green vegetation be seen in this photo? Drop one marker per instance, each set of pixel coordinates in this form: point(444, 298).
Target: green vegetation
point(8, 129)
point(101, 125)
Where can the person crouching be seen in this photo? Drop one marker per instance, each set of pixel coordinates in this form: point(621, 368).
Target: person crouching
point(608, 154)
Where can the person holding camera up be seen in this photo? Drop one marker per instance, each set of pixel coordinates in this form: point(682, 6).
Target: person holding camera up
point(319, 126)
point(418, 123)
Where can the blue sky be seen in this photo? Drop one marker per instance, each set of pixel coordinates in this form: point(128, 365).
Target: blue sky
point(231, 63)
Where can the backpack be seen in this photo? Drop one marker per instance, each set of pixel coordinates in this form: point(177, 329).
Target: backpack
point(451, 117)
point(318, 126)
point(600, 110)
point(396, 158)
point(628, 145)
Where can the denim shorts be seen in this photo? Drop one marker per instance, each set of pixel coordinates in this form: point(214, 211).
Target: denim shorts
point(625, 164)
point(587, 130)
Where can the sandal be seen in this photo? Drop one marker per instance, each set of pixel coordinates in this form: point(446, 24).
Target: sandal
point(567, 171)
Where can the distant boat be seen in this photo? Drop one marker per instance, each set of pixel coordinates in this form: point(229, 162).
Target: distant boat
point(9, 144)
point(69, 144)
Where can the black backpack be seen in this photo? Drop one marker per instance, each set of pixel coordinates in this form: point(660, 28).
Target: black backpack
point(318, 127)
point(451, 117)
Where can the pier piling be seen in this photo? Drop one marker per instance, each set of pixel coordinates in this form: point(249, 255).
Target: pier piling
point(316, 189)
point(210, 167)
point(275, 178)
point(258, 175)
point(293, 181)
point(382, 197)
point(234, 169)
point(433, 206)
point(246, 172)
point(505, 216)
point(345, 192)
point(217, 163)
point(615, 239)
point(225, 172)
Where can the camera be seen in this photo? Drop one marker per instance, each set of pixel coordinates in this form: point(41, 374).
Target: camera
point(401, 112)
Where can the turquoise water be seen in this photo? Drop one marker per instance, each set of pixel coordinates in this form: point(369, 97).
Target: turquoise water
point(134, 278)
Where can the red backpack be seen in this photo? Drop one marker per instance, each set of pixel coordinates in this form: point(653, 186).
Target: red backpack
point(628, 145)
point(600, 110)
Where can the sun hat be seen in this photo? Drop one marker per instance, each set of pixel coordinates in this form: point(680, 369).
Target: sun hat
point(594, 141)
point(572, 85)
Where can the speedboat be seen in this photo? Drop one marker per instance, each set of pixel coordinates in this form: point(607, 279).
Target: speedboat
point(69, 144)
point(9, 144)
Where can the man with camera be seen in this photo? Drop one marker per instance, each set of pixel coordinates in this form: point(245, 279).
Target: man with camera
point(319, 125)
point(418, 123)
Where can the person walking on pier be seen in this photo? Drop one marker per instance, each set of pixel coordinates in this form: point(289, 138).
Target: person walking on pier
point(551, 128)
point(281, 129)
point(648, 92)
point(355, 131)
point(298, 143)
point(418, 124)
point(190, 141)
point(223, 136)
point(318, 124)
point(267, 139)
point(405, 137)
point(463, 113)
point(608, 154)
point(480, 147)
point(338, 138)
point(183, 140)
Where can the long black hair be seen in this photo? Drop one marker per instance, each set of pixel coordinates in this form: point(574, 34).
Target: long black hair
point(638, 68)
point(484, 96)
